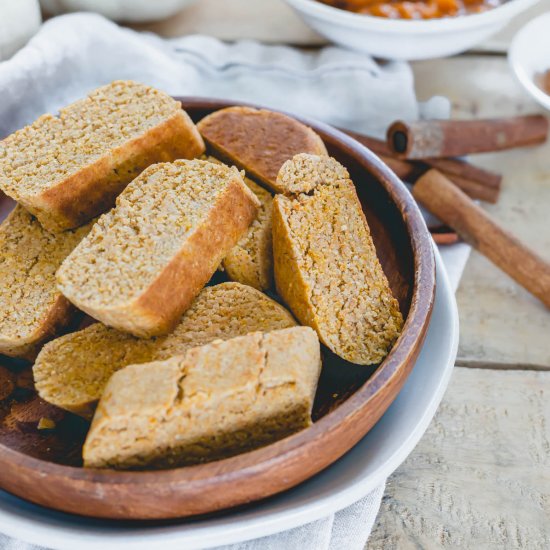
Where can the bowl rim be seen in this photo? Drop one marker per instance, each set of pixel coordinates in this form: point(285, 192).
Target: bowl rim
point(321, 11)
point(19, 472)
point(515, 60)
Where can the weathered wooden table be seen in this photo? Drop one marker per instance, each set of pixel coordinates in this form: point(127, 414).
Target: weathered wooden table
point(480, 477)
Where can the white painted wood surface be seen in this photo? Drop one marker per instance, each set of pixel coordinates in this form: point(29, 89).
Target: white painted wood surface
point(501, 322)
point(480, 477)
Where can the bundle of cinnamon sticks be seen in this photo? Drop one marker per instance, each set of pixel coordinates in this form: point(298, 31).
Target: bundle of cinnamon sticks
point(425, 153)
point(412, 149)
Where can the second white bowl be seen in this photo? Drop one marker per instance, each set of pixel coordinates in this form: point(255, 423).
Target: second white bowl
point(529, 56)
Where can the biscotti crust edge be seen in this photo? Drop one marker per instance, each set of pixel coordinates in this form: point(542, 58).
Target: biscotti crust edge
point(61, 313)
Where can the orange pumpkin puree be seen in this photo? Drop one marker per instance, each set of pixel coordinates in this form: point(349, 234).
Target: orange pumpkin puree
point(414, 9)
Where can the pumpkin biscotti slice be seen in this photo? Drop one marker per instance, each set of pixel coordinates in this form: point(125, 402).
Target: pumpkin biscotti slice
point(32, 310)
point(71, 371)
point(258, 141)
point(69, 168)
point(146, 260)
point(250, 261)
point(326, 268)
point(215, 401)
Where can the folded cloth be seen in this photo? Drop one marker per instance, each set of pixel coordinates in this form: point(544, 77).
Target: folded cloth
point(73, 54)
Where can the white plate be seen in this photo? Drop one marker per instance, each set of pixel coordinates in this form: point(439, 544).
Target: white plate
point(365, 467)
point(529, 55)
point(406, 39)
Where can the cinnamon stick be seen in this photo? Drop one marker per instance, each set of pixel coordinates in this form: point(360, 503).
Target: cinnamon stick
point(476, 182)
point(443, 199)
point(463, 169)
point(405, 171)
point(474, 189)
point(454, 138)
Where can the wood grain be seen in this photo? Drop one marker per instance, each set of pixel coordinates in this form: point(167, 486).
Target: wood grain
point(33, 464)
point(444, 200)
point(479, 477)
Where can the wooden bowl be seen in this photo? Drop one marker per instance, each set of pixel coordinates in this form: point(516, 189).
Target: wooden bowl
point(45, 468)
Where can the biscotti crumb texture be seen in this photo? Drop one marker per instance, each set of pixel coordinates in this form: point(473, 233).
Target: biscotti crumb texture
point(147, 259)
point(31, 308)
point(326, 268)
point(216, 401)
point(304, 172)
point(71, 371)
point(69, 168)
point(258, 141)
point(250, 261)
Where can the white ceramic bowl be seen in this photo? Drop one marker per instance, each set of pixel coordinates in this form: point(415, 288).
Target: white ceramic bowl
point(529, 55)
point(406, 39)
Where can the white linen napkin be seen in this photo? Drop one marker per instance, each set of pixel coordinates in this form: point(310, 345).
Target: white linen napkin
point(75, 53)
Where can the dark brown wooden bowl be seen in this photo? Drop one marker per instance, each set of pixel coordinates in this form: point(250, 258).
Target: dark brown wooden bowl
point(45, 467)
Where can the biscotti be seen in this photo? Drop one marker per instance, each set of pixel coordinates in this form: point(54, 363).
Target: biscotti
point(214, 402)
point(69, 168)
point(250, 261)
point(32, 310)
point(71, 371)
point(326, 267)
point(146, 260)
point(258, 141)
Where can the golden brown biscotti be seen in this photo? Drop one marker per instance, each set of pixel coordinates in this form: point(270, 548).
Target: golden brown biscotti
point(69, 168)
point(258, 141)
point(215, 401)
point(145, 261)
point(326, 268)
point(71, 372)
point(250, 261)
point(32, 310)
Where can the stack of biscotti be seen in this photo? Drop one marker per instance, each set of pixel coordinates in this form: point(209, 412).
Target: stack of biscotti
point(145, 261)
point(184, 372)
point(63, 171)
point(71, 372)
point(213, 402)
point(326, 267)
point(67, 169)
